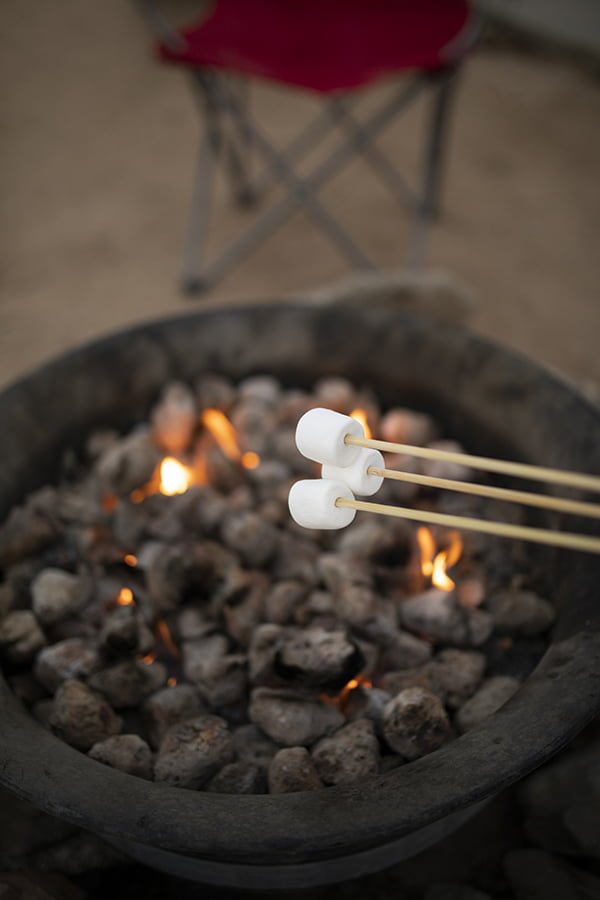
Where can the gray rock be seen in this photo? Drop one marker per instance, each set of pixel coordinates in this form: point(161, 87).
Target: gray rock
point(25, 532)
point(124, 632)
point(81, 717)
point(239, 778)
point(493, 693)
point(438, 614)
point(251, 537)
point(215, 392)
point(296, 560)
point(292, 769)
point(127, 683)
point(520, 612)
point(367, 703)
point(20, 636)
point(420, 676)
point(72, 658)
point(349, 754)
point(406, 426)
point(174, 418)
point(193, 751)
point(264, 646)
point(404, 651)
point(127, 752)
point(251, 745)
point(57, 595)
point(127, 463)
point(335, 393)
point(316, 658)
point(243, 607)
point(263, 388)
point(290, 718)
point(441, 468)
point(193, 624)
point(282, 600)
point(199, 655)
point(220, 677)
point(415, 723)
point(340, 572)
point(169, 706)
point(456, 675)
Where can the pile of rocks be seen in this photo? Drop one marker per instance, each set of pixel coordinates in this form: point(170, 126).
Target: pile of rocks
point(205, 641)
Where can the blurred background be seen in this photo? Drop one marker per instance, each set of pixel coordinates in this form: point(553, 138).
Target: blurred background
point(98, 156)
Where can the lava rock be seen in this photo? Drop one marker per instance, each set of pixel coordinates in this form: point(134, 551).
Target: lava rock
point(57, 595)
point(174, 418)
point(220, 677)
point(25, 532)
point(402, 650)
point(124, 632)
point(396, 682)
point(493, 693)
point(169, 706)
point(415, 723)
point(127, 683)
point(251, 745)
point(520, 612)
point(264, 646)
point(81, 717)
point(192, 624)
point(127, 463)
point(282, 600)
point(367, 703)
point(193, 751)
point(335, 393)
point(72, 658)
point(438, 614)
point(349, 754)
point(215, 392)
point(199, 655)
point(127, 752)
point(20, 636)
point(456, 675)
point(442, 468)
point(251, 537)
point(405, 426)
point(244, 603)
point(316, 658)
point(239, 778)
point(290, 718)
point(293, 769)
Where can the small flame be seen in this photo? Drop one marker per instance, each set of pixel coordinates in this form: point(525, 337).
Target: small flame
point(110, 502)
point(130, 559)
point(175, 478)
point(361, 416)
point(125, 597)
point(171, 682)
point(223, 432)
point(163, 633)
point(250, 459)
point(148, 659)
point(435, 565)
point(352, 685)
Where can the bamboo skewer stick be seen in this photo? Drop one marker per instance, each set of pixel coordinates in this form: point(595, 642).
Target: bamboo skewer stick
point(502, 529)
point(519, 470)
point(557, 504)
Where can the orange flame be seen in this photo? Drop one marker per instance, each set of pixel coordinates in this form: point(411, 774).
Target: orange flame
point(130, 559)
point(171, 682)
point(163, 633)
point(340, 698)
point(435, 565)
point(361, 416)
point(225, 435)
point(175, 478)
point(125, 597)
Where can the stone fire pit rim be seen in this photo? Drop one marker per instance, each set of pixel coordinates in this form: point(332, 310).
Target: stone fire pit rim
point(554, 703)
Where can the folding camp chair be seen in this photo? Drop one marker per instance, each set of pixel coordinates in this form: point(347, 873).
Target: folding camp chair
point(331, 47)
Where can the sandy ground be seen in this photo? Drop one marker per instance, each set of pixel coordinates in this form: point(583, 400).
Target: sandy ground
point(97, 158)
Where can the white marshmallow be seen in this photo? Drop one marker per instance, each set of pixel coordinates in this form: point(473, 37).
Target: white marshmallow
point(320, 436)
point(357, 475)
point(312, 504)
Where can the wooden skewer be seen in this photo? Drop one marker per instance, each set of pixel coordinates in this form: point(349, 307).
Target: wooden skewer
point(519, 470)
point(557, 504)
point(502, 529)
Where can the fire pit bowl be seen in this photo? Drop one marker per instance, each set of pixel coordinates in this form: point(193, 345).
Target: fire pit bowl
point(494, 402)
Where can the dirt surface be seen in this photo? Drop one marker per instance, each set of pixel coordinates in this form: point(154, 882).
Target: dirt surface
point(98, 152)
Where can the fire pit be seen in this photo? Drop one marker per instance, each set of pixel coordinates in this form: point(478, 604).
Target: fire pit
point(496, 404)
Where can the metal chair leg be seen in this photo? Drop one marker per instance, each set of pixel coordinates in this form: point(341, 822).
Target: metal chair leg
point(436, 140)
point(238, 149)
point(436, 144)
point(192, 280)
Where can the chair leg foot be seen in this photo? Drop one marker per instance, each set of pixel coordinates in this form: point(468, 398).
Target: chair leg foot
point(193, 286)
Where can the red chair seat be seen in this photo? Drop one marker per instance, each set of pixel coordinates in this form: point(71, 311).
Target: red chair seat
point(323, 45)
